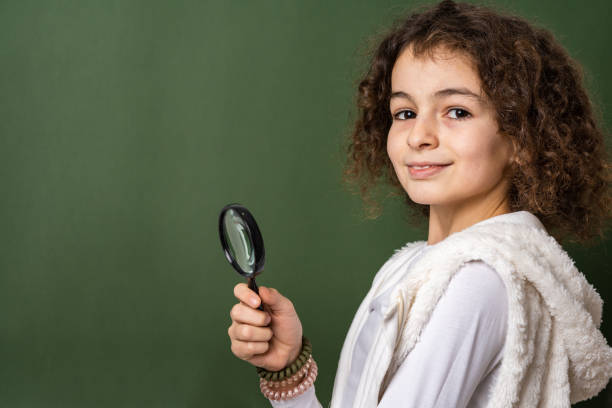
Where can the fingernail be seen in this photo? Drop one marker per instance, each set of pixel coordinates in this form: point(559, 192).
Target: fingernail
point(253, 301)
point(268, 318)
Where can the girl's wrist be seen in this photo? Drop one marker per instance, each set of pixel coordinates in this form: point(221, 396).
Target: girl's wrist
point(289, 382)
point(295, 353)
point(287, 389)
point(292, 367)
point(293, 380)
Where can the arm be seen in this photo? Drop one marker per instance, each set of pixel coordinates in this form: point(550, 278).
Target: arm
point(270, 339)
point(458, 347)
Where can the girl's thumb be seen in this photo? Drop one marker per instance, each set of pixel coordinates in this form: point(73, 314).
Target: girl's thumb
point(274, 300)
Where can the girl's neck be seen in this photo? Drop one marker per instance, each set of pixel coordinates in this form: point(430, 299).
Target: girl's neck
point(446, 220)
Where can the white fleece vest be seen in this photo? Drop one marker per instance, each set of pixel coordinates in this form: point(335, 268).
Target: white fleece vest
point(554, 353)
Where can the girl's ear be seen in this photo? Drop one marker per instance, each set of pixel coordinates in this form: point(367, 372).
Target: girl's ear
point(513, 159)
point(514, 162)
point(514, 156)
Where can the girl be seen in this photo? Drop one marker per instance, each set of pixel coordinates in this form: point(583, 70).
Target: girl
point(482, 122)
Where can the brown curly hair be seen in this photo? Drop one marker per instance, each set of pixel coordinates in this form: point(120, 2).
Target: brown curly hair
point(560, 172)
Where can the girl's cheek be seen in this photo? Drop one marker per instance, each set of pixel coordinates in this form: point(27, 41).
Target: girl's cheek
point(390, 144)
point(393, 149)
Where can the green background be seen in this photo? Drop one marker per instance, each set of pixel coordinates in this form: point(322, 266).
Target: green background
point(127, 125)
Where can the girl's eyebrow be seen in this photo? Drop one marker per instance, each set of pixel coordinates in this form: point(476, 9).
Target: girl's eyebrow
point(442, 93)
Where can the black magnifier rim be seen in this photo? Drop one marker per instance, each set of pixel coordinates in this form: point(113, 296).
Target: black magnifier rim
point(254, 233)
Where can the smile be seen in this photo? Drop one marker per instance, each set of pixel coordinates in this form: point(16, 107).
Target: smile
point(418, 172)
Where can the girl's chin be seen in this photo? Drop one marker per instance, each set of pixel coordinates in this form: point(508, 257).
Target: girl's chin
point(423, 201)
point(427, 198)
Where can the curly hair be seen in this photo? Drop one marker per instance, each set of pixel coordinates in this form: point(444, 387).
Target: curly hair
point(560, 171)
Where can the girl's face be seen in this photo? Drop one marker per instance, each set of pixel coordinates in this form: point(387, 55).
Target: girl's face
point(440, 116)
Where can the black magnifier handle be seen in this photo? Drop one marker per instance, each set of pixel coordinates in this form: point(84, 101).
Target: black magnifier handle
point(254, 288)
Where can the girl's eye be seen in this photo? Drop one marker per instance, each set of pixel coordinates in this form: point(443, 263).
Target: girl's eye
point(404, 114)
point(459, 113)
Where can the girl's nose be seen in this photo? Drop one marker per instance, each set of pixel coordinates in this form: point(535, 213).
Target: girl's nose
point(423, 133)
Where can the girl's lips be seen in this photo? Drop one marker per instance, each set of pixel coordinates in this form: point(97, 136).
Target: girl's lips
point(425, 173)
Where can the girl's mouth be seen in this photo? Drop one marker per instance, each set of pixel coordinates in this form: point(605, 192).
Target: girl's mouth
point(418, 172)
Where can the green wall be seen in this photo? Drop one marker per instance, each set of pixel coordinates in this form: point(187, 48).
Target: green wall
point(127, 125)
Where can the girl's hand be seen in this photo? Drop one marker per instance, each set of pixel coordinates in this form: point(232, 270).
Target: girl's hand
point(270, 339)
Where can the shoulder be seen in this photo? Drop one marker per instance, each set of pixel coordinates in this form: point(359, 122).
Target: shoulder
point(478, 276)
point(472, 310)
point(478, 290)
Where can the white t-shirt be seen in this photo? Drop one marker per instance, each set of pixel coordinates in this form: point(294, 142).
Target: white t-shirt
point(458, 355)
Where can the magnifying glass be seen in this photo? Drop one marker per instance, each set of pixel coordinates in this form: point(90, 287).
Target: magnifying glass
point(242, 243)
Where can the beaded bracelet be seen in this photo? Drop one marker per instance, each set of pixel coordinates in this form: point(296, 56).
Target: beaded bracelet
point(277, 395)
point(290, 369)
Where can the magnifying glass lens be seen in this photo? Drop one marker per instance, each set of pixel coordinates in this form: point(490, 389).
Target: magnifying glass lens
point(239, 241)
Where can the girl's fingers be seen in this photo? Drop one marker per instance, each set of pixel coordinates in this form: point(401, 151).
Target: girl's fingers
point(244, 314)
point(247, 349)
point(245, 332)
point(246, 295)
